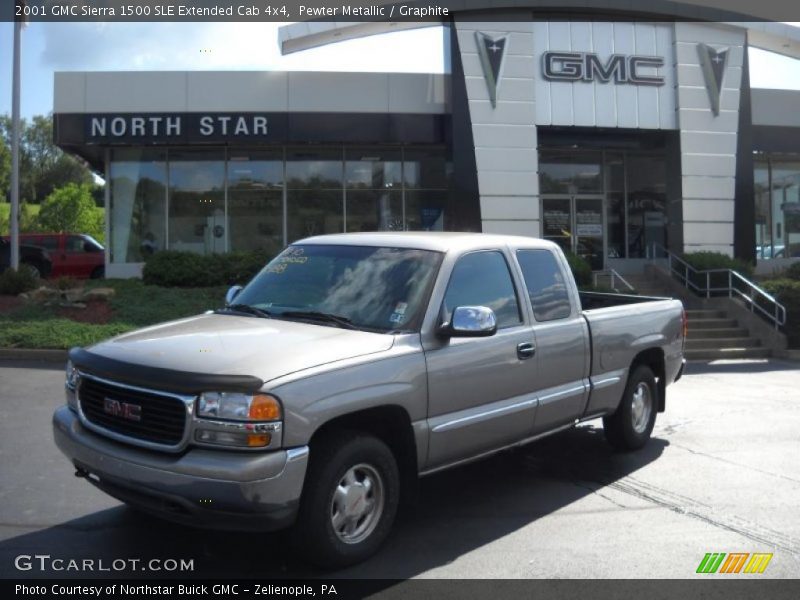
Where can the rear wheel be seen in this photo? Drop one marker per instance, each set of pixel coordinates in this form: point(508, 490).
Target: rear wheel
point(630, 426)
point(349, 501)
point(98, 273)
point(33, 269)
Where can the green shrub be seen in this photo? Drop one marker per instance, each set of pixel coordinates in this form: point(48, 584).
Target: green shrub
point(14, 283)
point(170, 268)
point(793, 272)
point(706, 261)
point(581, 269)
point(787, 292)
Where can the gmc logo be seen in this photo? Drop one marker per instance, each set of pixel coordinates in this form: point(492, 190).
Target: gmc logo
point(131, 412)
point(587, 66)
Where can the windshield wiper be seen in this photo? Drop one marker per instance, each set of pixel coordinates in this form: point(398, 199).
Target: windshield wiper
point(246, 308)
point(320, 316)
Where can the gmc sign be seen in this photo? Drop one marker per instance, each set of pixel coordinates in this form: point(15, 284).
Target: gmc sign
point(124, 410)
point(588, 67)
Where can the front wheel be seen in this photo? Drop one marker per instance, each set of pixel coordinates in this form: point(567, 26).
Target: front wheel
point(349, 501)
point(630, 426)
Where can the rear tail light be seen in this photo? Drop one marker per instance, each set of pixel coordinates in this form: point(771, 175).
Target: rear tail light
point(684, 324)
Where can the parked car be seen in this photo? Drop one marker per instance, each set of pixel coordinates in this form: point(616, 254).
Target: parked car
point(351, 365)
point(73, 254)
point(35, 259)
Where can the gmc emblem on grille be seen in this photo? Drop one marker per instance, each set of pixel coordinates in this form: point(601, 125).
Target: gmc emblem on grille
point(131, 412)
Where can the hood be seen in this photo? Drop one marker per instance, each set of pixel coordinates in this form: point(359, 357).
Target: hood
point(237, 345)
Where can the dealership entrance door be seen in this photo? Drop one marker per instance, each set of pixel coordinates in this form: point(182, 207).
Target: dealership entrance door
point(576, 223)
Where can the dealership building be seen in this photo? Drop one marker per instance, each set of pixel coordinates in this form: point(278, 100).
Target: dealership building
point(614, 138)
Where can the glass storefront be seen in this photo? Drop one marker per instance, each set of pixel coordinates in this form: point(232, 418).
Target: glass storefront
point(777, 206)
point(601, 204)
point(220, 200)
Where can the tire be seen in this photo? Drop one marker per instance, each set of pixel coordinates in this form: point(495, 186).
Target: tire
point(33, 268)
point(630, 426)
point(341, 465)
point(98, 273)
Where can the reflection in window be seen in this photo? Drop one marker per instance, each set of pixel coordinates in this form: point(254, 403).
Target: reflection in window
point(570, 172)
point(483, 279)
point(197, 201)
point(546, 286)
point(314, 200)
point(138, 204)
point(647, 204)
point(255, 201)
point(374, 189)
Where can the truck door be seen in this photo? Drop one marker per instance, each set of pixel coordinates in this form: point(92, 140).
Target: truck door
point(562, 339)
point(481, 390)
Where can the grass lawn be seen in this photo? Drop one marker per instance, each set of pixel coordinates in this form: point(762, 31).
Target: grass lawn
point(135, 305)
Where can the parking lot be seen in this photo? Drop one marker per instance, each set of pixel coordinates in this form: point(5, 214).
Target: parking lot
point(722, 474)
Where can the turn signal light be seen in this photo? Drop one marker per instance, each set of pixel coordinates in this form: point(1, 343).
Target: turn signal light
point(264, 408)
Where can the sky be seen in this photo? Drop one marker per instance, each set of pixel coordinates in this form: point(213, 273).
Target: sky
point(49, 47)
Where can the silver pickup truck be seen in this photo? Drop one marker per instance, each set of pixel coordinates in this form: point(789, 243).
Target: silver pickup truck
point(351, 365)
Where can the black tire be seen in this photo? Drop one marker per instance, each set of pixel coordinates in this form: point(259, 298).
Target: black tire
point(35, 269)
point(628, 428)
point(98, 273)
point(334, 457)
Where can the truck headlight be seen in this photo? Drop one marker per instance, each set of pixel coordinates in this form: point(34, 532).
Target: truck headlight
point(238, 407)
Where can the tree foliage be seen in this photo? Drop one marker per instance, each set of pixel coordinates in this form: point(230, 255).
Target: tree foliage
point(71, 209)
point(43, 166)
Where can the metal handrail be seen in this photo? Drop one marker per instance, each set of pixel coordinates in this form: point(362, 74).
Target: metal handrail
point(753, 292)
point(613, 275)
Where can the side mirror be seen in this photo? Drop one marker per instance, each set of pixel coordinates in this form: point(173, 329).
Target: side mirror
point(470, 321)
point(231, 294)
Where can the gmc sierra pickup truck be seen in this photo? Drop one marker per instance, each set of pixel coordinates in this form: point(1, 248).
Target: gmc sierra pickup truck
point(351, 365)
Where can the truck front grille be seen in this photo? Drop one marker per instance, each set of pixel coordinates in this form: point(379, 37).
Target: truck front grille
point(139, 414)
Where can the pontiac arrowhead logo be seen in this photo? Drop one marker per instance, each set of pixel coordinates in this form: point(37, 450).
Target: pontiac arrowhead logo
point(492, 51)
point(713, 63)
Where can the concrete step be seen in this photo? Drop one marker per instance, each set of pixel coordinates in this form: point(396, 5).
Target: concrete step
point(723, 353)
point(706, 314)
point(717, 343)
point(724, 332)
point(712, 323)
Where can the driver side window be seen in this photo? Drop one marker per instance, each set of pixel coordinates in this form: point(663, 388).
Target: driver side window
point(483, 279)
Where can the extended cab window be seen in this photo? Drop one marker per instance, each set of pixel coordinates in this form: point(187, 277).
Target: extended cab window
point(546, 286)
point(483, 279)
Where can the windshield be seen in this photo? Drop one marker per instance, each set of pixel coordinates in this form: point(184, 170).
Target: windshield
point(374, 288)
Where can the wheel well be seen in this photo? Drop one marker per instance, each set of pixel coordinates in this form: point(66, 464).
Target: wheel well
point(392, 425)
point(654, 358)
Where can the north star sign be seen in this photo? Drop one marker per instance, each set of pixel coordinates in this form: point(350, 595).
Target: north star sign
point(165, 127)
point(589, 67)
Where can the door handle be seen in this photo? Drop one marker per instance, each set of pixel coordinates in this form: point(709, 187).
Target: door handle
point(525, 350)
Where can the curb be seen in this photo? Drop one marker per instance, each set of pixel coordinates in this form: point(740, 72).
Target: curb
point(28, 354)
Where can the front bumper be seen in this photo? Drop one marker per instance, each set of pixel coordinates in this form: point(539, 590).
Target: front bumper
point(216, 489)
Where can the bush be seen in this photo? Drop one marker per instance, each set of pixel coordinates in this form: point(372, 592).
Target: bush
point(787, 291)
point(170, 268)
point(14, 283)
point(793, 272)
point(71, 209)
point(705, 261)
point(581, 269)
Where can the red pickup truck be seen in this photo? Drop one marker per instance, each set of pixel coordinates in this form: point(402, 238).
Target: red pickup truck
point(73, 254)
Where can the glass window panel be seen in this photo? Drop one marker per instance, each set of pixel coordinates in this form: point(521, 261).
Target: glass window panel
point(546, 286)
point(374, 210)
point(314, 168)
point(197, 201)
point(786, 208)
point(425, 168)
point(557, 222)
point(647, 204)
point(138, 203)
point(569, 172)
point(425, 211)
point(255, 201)
point(615, 224)
point(615, 172)
point(373, 168)
point(483, 279)
point(313, 212)
point(763, 217)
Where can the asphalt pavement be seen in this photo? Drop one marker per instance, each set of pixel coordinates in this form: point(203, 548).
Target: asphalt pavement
point(721, 474)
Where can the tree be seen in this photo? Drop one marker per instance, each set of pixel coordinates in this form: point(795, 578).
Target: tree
point(70, 209)
point(43, 165)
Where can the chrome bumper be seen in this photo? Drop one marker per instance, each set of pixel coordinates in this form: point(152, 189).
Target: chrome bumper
point(216, 489)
